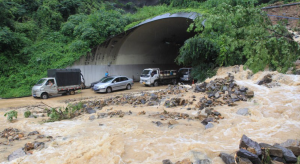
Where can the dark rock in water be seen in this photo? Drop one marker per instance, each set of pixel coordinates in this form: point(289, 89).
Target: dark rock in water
point(209, 102)
point(28, 146)
point(241, 160)
point(288, 155)
point(227, 159)
point(143, 101)
point(267, 78)
point(90, 111)
point(293, 145)
point(246, 154)
point(16, 154)
point(92, 117)
point(216, 113)
point(158, 123)
point(207, 120)
point(250, 94)
point(273, 151)
point(33, 133)
point(250, 145)
point(260, 82)
point(188, 108)
point(243, 89)
point(193, 96)
point(243, 111)
point(39, 145)
point(209, 125)
point(166, 161)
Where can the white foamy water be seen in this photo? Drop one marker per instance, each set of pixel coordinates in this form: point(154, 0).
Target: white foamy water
point(134, 139)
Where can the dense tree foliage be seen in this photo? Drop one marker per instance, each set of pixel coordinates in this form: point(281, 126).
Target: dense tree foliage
point(36, 35)
point(240, 34)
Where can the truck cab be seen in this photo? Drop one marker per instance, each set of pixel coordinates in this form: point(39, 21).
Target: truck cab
point(44, 88)
point(59, 81)
point(149, 75)
point(155, 76)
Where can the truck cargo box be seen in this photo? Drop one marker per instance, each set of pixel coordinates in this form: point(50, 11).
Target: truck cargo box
point(65, 77)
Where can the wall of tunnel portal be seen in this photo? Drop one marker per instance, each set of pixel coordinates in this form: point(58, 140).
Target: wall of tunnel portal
point(155, 44)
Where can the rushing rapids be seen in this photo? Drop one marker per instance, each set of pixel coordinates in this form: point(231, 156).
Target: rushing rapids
point(137, 133)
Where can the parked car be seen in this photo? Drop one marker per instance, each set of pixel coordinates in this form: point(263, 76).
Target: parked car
point(113, 83)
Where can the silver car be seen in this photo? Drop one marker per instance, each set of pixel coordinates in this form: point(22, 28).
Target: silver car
point(113, 83)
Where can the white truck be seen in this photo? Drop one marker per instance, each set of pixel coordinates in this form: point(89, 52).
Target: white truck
point(59, 81)
point(155, 76)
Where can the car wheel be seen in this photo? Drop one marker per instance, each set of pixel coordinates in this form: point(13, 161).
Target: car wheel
point(155, 84)
point(128, 86)
point(72, 92)
point(108, 90)
point(44, 96)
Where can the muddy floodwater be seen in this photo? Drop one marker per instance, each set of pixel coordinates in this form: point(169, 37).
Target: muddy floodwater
point(134, 139)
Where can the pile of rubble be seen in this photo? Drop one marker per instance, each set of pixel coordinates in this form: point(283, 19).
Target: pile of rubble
point(258, 153)
point(12, 134)
point(222, 91)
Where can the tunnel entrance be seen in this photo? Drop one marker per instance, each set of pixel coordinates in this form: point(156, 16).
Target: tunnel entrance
point(152, 43)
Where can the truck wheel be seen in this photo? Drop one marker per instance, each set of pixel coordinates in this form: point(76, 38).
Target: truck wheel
point(128, 86)
point(44, 96)
point(155, 84)
point(72, 92)
point(108, 90)
point(174, 81)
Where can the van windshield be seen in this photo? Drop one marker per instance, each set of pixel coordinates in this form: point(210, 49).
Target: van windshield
point(40, 82)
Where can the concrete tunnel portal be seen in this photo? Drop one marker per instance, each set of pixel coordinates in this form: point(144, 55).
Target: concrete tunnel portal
point(152, 43)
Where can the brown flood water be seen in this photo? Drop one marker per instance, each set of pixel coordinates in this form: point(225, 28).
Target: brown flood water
point(134, 139)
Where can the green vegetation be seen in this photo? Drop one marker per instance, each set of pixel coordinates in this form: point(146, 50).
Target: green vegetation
point(235, 35)
point(27, 114)
point(36, 35)
point(69, 112)
point(11, 115)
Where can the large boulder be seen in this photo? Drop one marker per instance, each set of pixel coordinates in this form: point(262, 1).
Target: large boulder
point(16, 154)
point(227, 159)
point(248, 155)
point(288, 155)
point(273, 151)
point(293, 145)
point(250, 145)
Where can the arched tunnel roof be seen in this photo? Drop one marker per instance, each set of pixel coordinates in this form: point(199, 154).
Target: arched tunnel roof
point(190, 15)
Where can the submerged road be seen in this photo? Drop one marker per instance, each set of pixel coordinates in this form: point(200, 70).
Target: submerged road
point(57, 101)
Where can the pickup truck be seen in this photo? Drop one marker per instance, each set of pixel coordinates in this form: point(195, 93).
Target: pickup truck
point(155, 76)
point(59, 81)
